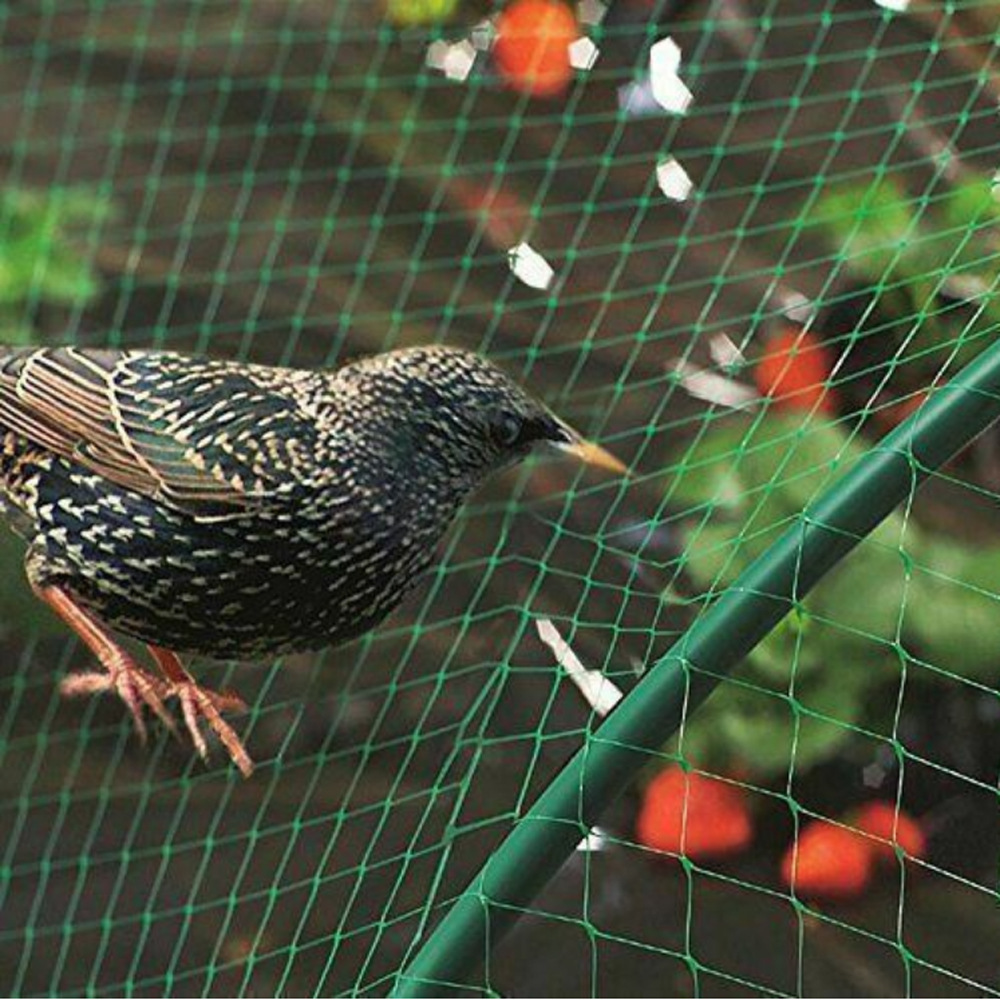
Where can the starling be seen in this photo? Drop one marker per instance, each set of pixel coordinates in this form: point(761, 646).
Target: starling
point(237, 511)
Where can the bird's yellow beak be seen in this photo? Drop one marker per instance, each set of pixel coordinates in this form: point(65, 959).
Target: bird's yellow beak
point(594, 454)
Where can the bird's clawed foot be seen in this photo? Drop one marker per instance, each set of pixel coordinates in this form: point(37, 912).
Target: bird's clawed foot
point(138, 688)
point(121, 673)
point(200, 703)
point(131, 683)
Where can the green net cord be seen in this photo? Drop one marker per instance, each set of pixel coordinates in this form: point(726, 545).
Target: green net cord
point(825, 533)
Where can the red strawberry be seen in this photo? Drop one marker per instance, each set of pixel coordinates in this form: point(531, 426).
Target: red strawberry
point(830, 863)
point(694, 815)
point(532, 46)
point(891, 827)
point(793, 371)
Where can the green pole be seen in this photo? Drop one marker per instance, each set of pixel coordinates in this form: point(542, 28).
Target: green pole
point(825, 532)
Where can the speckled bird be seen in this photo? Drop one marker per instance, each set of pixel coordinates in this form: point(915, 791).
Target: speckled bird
point(238, 511)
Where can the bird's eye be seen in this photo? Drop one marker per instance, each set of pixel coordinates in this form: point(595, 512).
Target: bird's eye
point(506, 429)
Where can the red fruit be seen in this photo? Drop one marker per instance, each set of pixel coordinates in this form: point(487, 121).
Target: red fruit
point(830, 863)
point(694, 815)
point(793, 371)
point(891, 827)
point(532, 46)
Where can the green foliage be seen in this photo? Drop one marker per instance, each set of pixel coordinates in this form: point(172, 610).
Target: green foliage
point(928, 261)
point(40, 260)
point(905, 596)
point(407, 13)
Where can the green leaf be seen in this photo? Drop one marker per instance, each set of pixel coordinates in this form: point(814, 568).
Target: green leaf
point(837, 655)
point(953, 606)
point(40, 255)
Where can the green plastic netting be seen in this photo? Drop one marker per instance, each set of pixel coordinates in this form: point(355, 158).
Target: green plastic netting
point(805, 203)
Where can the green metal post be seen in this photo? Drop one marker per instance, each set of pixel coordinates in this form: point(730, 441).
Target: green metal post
point(824, 533)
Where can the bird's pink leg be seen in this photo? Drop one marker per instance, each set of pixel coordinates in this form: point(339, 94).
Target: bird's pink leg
point(121, 673)
point(197, 702)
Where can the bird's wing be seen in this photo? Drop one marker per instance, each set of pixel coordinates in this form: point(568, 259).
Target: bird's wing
point(206, 437)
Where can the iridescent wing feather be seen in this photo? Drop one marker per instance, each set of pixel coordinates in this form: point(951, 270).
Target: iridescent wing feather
point(206, 437)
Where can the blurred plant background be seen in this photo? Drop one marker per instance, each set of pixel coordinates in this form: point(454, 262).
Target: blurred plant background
point(737, 258)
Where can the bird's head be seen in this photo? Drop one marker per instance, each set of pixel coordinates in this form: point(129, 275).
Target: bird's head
point(464, 416)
